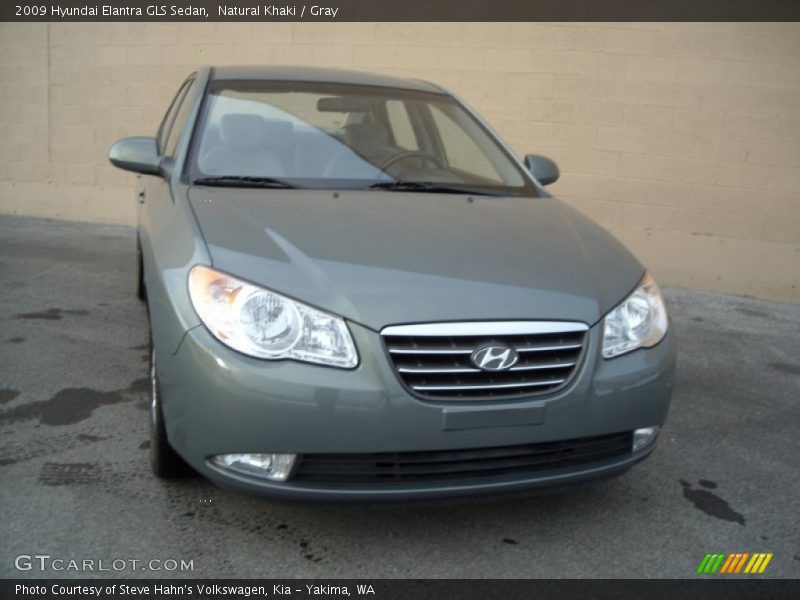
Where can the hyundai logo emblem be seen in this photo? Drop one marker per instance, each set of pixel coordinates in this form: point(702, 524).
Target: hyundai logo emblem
point(495, 357)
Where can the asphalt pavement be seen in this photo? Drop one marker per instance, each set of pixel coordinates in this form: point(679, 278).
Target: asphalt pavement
point(75, 481)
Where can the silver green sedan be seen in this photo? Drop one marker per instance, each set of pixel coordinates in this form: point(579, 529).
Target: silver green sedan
point(356, 291)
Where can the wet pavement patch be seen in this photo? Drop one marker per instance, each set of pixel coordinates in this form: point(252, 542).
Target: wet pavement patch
point(54, 474)
point(710, 503)
point(752, 312)
point(144, 445)
point(15, 340)
point(72, 405)
point(7, 395)
point(67, 407)
point(785, 368)
point(51, 314)
point(85, 437)
point(139, 386)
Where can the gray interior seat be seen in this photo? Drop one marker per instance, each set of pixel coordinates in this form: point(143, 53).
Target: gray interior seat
point(369, 143)
point(369, 140)
point(279, 139)
point(313, 151)
point(243, 150)
point(211, 139)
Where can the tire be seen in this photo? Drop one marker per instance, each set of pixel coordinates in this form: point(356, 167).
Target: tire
point(141, 292)
point(164, 461)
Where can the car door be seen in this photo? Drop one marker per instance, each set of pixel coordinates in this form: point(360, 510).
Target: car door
point(164, 228)
point(155, 186)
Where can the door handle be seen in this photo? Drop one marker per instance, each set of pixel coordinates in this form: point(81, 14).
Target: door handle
point(142, 196)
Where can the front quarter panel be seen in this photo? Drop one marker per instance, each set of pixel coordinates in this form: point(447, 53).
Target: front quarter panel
point(171, 246)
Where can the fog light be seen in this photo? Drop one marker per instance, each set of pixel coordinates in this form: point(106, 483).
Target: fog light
point(275, 467)
point(644, 437)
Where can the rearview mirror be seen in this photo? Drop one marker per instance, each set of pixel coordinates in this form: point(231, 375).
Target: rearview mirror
point(544, 169)
point(137, 154)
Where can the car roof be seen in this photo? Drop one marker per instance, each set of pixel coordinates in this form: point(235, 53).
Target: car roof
point(320, 75)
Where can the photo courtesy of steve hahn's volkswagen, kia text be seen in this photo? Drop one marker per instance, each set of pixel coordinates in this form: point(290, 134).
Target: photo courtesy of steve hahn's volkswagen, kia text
point(186, 589)
point(325, 246)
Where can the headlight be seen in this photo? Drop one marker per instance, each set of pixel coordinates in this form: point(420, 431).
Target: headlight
point(264, 324)
point(640, 321)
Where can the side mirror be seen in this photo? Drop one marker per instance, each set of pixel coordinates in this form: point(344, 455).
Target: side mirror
point(137, 154)
point(544, 169)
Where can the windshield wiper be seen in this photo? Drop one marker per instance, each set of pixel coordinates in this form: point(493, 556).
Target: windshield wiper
point(432, 187)
point(243, 181)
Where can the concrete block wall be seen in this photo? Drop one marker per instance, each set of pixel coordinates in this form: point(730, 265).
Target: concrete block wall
point(683, 139)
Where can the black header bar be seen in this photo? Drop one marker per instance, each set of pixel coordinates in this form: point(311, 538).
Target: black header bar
point(401, 10)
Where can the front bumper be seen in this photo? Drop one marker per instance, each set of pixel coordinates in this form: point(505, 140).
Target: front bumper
point(217, 401)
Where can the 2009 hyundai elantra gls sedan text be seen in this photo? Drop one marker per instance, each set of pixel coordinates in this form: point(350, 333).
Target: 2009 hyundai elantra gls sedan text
point(356, 291)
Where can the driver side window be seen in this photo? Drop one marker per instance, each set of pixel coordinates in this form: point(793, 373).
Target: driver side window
point(169, 118)
point(400, 124)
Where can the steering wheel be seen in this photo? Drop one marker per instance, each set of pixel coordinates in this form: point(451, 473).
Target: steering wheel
point(410, 154)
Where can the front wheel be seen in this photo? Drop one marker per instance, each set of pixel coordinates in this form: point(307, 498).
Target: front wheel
point(165, 462)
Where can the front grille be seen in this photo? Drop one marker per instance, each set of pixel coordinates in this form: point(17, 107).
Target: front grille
point(435, 361)
point(449, 465)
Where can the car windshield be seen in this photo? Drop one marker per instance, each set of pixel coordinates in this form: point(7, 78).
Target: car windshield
point(323, 135)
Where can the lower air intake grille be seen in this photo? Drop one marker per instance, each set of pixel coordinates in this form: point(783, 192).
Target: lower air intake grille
point(443, 361)
point(450, 465)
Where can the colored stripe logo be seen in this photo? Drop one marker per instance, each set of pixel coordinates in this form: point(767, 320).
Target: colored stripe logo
point(734, 563)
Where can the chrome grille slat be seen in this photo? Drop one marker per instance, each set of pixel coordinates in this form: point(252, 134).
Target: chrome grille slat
point(425, 370)
point(471, 370)
point(539, 367)
point(548, 348)
point(431, 350)
point(433, 360)
point(491, 386)
point(458, 350)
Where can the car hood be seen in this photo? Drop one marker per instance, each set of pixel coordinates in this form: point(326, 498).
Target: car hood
point(381, 258)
